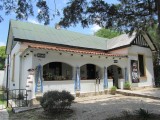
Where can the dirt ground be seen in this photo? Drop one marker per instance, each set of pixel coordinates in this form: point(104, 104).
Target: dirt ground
point(96, 108)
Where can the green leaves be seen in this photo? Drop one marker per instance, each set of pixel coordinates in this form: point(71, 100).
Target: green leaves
point(107, 33)
point(2, 57)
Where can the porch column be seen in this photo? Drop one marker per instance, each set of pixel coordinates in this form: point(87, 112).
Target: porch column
point(76, 78)
point(38, 80)
point(105, 78)
point(126, 74)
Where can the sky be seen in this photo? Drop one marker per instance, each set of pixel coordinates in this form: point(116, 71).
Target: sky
point(60, 4)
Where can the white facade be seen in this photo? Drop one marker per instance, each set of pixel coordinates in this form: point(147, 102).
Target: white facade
point(109, 59)
point(26, 59)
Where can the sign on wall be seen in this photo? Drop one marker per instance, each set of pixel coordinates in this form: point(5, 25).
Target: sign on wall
point(41, 55)
point(134, 71)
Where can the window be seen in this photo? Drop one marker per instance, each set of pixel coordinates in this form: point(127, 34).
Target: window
point(141, 65)
point(56, 71)
point(13, 67)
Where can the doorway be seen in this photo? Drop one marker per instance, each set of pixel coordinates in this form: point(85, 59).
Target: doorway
point(115, 73)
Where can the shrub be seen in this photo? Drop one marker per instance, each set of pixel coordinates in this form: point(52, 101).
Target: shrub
point(113, 88)
point(144, 114)
point(20, 96)
point(56, 101)
point(127, 85)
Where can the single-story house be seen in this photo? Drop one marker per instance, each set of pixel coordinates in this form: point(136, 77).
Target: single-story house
point(43, 58)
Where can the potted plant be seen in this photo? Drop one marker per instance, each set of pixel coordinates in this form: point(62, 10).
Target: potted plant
point(127, 86)
point(113, 90)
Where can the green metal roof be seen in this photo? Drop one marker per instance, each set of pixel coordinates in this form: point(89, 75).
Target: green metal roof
point(34, 32)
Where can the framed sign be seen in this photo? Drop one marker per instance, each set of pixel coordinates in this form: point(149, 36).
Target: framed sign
point(115, 61)
point(134, 71)
point(41, 55)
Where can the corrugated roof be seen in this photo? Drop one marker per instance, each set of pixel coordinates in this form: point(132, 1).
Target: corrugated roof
point(120, 41)
point(41, 33)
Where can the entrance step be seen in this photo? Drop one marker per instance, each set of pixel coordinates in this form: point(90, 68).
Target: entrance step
point(138, 94)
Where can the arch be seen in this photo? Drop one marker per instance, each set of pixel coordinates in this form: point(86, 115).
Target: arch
point(90, 63)
point(90, 71)
point(115, 65)
point(55, 71)
point(57, 61)
point(115, 73)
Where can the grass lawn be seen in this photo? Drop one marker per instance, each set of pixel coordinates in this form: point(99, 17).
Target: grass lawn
point(1, 98)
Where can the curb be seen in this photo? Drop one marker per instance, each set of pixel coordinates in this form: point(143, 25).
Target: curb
point(137, 95)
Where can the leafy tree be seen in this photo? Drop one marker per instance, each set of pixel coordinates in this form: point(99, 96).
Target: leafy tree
point(128, 15)
point(107, 33)
point(2, 57)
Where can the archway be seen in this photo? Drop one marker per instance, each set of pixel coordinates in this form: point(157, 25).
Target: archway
point(115, 73)
point(90, 72)
point(57, 71)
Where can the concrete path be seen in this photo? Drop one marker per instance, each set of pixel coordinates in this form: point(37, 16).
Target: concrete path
point(153, 93)
point(3, 113)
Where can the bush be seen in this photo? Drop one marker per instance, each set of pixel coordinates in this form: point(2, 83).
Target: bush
point(56, 101)
point(113, 88)
point(144, 114)
point(127, 85)
point(20, 96)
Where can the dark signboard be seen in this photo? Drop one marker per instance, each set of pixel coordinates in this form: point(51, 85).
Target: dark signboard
point(41, 55)
point(115, 61)
point(134, 71)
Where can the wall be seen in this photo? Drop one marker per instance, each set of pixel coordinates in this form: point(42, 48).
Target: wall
point(14, 81)
point(1, 78)
point(74, 61)
point(148, 63)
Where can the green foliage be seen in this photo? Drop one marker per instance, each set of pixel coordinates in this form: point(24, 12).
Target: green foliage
point(127, 85)
point(55, 101)
point(128, 15)
point(113, 88)
point(2, 57)
point(107, 33)
point(144, 114)
point(2, 52)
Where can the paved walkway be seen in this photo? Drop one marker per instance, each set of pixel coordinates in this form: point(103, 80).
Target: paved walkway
point(3, 113)
point(104, 106)
point(153, 93)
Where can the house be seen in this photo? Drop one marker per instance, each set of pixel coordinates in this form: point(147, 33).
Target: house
point(42, 58)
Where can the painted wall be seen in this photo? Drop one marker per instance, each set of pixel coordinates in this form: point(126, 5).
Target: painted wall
point(148, 63)
point(74, 61)
point(1, 78)
point(14, 73)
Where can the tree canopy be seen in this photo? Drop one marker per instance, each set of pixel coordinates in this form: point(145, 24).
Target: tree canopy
point(107, 33)
point(128, 15)
point(2, 56)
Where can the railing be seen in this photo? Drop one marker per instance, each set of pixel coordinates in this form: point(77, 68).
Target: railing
point(18, 97)
point(14, 98)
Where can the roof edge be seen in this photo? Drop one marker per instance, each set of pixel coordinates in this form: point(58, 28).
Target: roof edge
point(47, 43)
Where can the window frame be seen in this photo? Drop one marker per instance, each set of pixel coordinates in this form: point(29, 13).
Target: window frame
point(144, 67)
